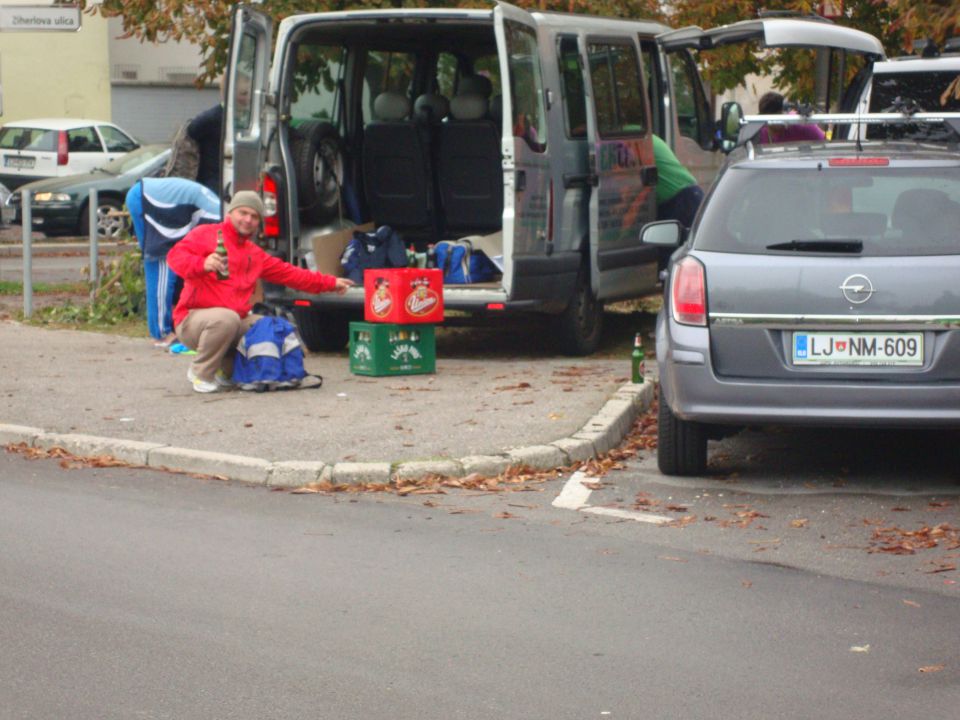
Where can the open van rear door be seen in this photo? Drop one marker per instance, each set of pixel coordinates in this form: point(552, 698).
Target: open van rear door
point(244, 134)
point(776, 33)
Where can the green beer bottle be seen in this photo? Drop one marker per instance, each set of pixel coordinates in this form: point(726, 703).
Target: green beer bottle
point(638, 368)
point(222, 252)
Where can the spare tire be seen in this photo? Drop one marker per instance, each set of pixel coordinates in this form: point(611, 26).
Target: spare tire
point(318, 166)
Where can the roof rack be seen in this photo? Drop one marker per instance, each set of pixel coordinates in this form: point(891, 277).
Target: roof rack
point(750, 125)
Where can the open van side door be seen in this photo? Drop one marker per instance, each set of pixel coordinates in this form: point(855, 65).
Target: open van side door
point(525, 153)
point(245, 94)
point(621, 165)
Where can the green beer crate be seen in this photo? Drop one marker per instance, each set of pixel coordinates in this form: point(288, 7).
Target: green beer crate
point(392, 349)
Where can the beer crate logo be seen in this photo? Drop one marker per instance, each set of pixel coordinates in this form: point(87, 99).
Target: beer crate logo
point(381, 301)
point(423, 299)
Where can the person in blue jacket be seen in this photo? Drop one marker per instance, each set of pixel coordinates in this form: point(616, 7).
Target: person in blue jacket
point(163, 211)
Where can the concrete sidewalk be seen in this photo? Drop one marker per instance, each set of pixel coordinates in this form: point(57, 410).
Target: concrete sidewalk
point(97, 394)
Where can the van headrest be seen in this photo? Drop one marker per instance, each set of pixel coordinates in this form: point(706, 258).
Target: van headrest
point(468, 107)
point(431, 108)
point(391, 106)
point(475, 85)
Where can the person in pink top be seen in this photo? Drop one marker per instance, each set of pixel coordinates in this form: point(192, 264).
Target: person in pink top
point(771, 103)
point(213, 313)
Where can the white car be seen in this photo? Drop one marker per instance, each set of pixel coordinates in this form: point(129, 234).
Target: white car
point(36, 149)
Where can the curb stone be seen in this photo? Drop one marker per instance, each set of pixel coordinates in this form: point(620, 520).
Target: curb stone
point(601, 433)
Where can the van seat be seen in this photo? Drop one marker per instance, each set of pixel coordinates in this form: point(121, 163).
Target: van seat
point(470, 172)
point(396, 167)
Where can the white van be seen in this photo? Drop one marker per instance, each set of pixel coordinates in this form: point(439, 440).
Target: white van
point(528, 132)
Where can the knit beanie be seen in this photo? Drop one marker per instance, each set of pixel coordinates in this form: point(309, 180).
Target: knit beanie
point(247, 199)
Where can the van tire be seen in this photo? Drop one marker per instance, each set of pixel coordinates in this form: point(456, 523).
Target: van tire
point(318, 164)
point(681, 444)
point(579, 327)
point(322, 331)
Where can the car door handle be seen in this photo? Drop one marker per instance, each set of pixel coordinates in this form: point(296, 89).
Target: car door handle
point(649, 175)
point(521, 180)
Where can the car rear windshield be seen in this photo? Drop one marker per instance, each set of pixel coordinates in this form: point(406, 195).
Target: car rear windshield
point(922, 91)
point(35, 139)
point(879, 210)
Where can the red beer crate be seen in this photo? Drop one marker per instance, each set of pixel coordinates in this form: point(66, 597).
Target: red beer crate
point(403, 295)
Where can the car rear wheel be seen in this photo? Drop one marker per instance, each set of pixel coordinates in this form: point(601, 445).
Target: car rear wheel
point(322, 331)
point(681, 444)
point(579, 327)
point(110, 223)
point(318, 166)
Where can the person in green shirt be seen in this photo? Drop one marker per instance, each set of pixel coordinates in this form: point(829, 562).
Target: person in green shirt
point(678, 194)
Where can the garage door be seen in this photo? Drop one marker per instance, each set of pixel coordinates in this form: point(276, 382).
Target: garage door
point(154, 113)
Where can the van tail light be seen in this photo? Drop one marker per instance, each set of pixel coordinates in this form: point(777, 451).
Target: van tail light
point(688, 293)
point(271, 221)
point(63, 153)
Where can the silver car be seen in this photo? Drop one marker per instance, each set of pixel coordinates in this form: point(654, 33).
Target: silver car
point(819, 285)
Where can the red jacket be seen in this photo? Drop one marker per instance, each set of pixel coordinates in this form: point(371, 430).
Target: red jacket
point(248, 263)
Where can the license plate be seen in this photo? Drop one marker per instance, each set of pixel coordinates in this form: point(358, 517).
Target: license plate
point(15, 161)
point(857, 348)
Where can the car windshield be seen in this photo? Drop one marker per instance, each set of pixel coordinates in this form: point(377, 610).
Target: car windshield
point(132, 160)
point(23, 138)
point(922, 91)
point(868, 211)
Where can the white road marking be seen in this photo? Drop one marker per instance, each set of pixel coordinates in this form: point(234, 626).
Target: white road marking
point(575, 495)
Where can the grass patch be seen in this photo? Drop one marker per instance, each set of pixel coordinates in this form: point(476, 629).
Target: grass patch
point(8, 287)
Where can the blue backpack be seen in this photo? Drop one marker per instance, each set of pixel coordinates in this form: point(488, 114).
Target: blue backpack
point(269, 357)
point(461, 265)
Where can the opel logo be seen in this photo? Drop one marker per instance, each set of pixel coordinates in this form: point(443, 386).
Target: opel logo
point(857, 289)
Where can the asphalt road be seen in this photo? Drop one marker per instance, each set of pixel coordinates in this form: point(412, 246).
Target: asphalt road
point(129, 594)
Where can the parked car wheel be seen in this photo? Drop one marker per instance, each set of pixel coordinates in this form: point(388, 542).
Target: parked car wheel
point(681, 444)
point(322, 331)
point(579, 327)
point(110, 224)
point(318, 166)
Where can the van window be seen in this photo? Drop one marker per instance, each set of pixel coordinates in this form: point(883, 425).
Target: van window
point(451, 68)
point(574, 99)
point(690, 101)
point(526, 86)
point(930, 91)
point(617, 88)
point(386, 71)
point(243, 107)
point(655, 85)
point(316, 77)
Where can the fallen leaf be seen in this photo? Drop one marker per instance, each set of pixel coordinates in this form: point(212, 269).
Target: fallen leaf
point(911, 603)
point(671, 558)
point(505, 515)
point(746, 583)
point(860, 649)
point(930, 668)
point(899, 509)
point(799, 523)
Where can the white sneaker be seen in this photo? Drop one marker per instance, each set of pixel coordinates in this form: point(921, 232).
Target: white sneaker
point(201, 386)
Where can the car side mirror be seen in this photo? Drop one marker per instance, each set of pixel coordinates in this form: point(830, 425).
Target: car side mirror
point(663, 233)
point(731, 115)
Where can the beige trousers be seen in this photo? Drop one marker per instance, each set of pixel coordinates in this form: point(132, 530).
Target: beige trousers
point(214, 334)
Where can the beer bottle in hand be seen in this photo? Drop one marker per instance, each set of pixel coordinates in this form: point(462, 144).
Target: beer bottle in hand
point(222, 252)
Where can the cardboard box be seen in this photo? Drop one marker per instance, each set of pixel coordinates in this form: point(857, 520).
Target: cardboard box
point(391, 349)
point(403, 295)
point(329, 246)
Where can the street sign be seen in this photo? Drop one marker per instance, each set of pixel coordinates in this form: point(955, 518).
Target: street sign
point(39, 18)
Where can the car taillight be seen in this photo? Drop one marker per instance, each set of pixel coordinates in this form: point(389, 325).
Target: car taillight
point(62, 148)
point(688, 293)
point(271, 222)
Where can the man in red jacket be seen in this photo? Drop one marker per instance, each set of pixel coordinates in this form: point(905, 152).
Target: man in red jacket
point(213, 314)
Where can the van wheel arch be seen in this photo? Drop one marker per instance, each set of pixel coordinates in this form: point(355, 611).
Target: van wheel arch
point(579, 327)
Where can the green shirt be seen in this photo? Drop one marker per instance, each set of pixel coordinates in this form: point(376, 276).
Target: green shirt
point(672, 177)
